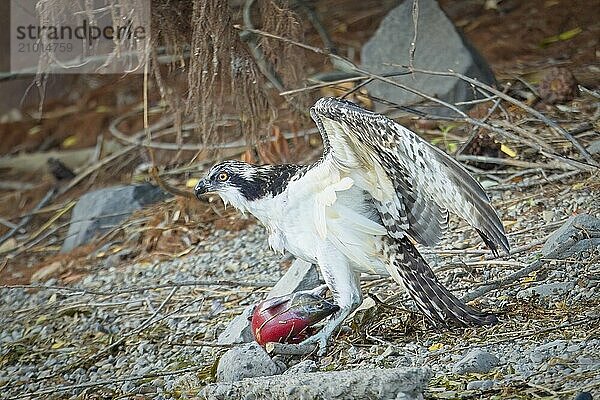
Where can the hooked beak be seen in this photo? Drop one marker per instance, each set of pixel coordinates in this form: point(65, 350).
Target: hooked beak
point(202, 187)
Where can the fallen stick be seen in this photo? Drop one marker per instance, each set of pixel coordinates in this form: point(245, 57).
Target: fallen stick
point(36, 162)
point(507, 161)
point(290, 349)
point(541, 181)
point(502, 282)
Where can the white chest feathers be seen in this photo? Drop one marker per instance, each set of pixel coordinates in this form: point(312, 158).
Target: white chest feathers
point(322, 211)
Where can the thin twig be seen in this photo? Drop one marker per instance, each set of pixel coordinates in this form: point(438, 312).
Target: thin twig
point(536, 182)
point(340, 81)
point(590, 92)
point(550, 225)
point(168, 188)
point(357, 88)
point(144, 288)
point(503, 282)
point(476, 101)
point(527, 84)
point(8, 224)
point(92, 168)
point(413, 43)
point(323, 84)
point(484, 263)
point(506, 161)
point(200, 343)
point(314, 19)
point(9, 185)
point(531, 136)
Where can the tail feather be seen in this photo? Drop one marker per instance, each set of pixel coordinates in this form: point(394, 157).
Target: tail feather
point(430, 296)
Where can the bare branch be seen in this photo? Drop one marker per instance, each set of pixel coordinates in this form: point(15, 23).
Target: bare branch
point(413, 44)
point(521, 105)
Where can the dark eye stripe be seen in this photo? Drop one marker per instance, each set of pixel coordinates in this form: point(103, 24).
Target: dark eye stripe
point(254, 182)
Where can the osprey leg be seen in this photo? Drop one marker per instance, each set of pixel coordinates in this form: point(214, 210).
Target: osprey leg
point(344, 284)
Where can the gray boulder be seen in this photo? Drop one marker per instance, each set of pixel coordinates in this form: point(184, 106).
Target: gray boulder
point(439, 47)
point(580, 233)
point(480, 385)
point(477, 361)
point(594, 147)
point(547, 290)
point(246, 361)
point(302, 367)
point(301, 276)
point(377, 383)
point(99, 211)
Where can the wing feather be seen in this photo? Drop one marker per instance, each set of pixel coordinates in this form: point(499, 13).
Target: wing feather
point(425, 180)
point(353, 157)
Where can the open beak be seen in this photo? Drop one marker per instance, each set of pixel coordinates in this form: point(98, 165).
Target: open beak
point(202, 187)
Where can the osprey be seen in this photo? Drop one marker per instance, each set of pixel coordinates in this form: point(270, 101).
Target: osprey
point(377, 189)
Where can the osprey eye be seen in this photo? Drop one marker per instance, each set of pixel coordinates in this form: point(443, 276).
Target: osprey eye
point(223, 176)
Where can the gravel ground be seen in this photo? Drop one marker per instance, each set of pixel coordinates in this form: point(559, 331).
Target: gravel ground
point(56, 337)
point(149, 329)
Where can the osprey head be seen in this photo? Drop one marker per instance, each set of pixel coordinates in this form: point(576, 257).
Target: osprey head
point(236, 182)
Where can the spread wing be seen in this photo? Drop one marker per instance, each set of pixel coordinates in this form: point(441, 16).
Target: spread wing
point(413, 184)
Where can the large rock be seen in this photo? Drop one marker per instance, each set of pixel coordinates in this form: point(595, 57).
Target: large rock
point(246, 361)
point(580, 233)
point(476, 361)
point(301, 276)
point(377, 383)
point(439, 47)
point(542, 353)
point(238, 330)
point(302, 367)
point(594, 147)
point(97, 212)
point(547, 290)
